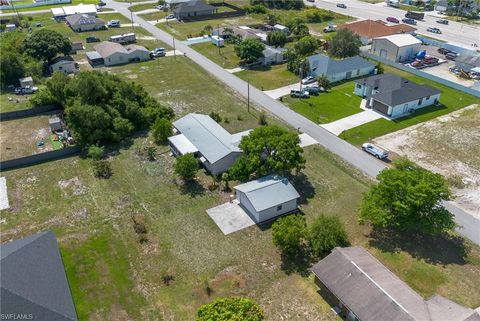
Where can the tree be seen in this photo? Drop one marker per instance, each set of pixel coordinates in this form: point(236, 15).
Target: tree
point(300, 29)
point(345, 44)
point(268, 149)
point(306, 46)
point(161, 130)
point(324, 82)
point(326, 233)
point(57, 85)
point(95, 152)
point(250, 50)
point(276, 39)
point(230, 309)
point(289, 232)
point(408, 197)
point(186, 166)
point(102, 169)
point(46, 44)
point(11, 68)
point(271, 19)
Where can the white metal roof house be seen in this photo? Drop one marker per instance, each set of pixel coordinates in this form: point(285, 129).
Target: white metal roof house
point(84, 22)
point(216, 148)
point(397, 48)
point(363, 289)
point(338, 70)
point(395, 96)
point(272, 56)
point(62, 12)
point(116, 54)
point(267, 197)
point(64, 64)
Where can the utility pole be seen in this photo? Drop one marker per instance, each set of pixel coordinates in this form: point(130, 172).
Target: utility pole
point(131, 15)
point(174, 54)
point(300, 72)
point(248, 95)
point(218, 40)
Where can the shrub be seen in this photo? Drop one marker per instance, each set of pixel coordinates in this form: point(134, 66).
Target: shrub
point(216, 117)
point(95, 152)
point(380, 69)
point(288, 233)
point(326, 233)
point(186, 167)
point(258, 8)
point(230, 308)
point(324, 82)
point(140, 228)
point(142, 238)
point(262, 119)
point(102, 169)
point(161, 130)
point(152, 153)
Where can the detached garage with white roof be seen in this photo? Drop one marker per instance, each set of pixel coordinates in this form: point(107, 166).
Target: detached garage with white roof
point(267, 197)
point(397, 48)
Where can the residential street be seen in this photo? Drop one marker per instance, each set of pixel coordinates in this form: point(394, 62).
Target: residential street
point(455, 32)
point(349, 153)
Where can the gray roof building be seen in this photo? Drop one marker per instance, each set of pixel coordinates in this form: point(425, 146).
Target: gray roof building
point(192, 9)
point(337, 70)
point(369, 291)
point(84, 22)
point(393, 90)
point(33, 280)
point(467, 62)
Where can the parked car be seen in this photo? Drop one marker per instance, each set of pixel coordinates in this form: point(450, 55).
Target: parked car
point(170, 16)
point(158, 52)
point(434, 30)
point(90, 39)
point(314, 90)
point(113, 24)
point(330, 28)
point(443, 51)
point(375, 151)
point(392, 19)
point(310, 0)
point(451, 56)
point(101, 4)
point(26, 90)
point(443, 21)
point(342, 5)
point(160, 7)
point(409, 21)
point(308, 80)
point(38, 24)
point(299, 93)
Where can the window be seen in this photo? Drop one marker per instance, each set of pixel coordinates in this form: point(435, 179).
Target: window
point(428, 97)
point(420, 101)
point(279, 207)
point(358, 72)
point(359, 86)
point(60, 68)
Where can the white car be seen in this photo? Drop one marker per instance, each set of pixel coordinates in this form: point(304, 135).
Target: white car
point(113, 24)
point(308, 80)
point(170, 16)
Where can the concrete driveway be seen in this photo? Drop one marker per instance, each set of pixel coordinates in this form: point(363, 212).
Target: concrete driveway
point(282, 91)
point(349, 122)
point(230, 217)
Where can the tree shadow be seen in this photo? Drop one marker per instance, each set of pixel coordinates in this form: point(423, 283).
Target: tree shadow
point(192, 188)
point(304, 187)
point(300, 262)
point(435, 249)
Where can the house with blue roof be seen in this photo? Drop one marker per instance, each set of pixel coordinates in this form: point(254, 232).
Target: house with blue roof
point(202, 136)
point(267, 197)
point(339, 69)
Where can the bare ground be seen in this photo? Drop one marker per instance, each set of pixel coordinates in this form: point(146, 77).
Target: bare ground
point(448, 145)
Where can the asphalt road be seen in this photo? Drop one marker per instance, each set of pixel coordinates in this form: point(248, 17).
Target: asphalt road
point(349, 153)
point(460, 33)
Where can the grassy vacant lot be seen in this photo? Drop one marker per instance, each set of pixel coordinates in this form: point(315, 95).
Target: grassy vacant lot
point(450, 100)
point(9, 101)
point(227, 58)
point(153, 15)
point(141, 7)
point(335, 104)
point(268, 78)
point(18, 137)
point(74, 2)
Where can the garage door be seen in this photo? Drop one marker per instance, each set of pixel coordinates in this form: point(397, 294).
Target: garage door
point(378, 106)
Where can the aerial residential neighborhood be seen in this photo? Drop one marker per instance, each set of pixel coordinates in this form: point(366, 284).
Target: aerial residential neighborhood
point(243, 160)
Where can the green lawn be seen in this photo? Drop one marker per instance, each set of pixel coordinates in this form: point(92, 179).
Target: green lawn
point(268, 78)
point(335, 104)
point(153, 15)
point(47, 7)
point(318, 27)
point(141, 7)
point(450, 100)
point(11, 104)
point(225, 57)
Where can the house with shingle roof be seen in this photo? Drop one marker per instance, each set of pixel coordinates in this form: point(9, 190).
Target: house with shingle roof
point(194, 8)
point(363, 289)
point(115, 54)
point(369, 29)
point(339, 69)
point(394, 96)
point(84, 22)
point(34, 285)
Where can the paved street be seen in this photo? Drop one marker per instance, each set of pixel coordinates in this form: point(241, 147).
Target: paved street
point(455, 32)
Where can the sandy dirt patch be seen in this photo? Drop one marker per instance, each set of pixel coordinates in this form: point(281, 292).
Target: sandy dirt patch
point(449, 145)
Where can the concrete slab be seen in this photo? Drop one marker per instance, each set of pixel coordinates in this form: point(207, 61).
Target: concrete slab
point(349, 122)
point(282, 91)
point(230, 217)
point(4, 204)
point(306, 140)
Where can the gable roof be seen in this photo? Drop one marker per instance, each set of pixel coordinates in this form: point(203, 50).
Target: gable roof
point(373, 292)
point(376, 28)
point(271, 51)
point(211, 139)
point(393, 90)
point(61, 59)
point(83, 19)
point(401, 40)
point(33, 279)
point(268, 191)
point(473, 60)
point(107, 48)
point(191, 6)
point(322, 64)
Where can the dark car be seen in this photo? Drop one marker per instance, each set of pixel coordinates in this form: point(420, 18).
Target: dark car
point(92, 39)
point(451, 56)
point(409, 21)
point(442, 21)
point(443, 51)
point(342, 5)
point(393, 19)
point(101, 4)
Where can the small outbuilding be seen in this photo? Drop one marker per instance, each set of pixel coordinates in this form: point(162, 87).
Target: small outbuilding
point(10, 27)
point(267, 197)
point(284, 29)
point(64, 64)
point(94, 58)
point(55, 123)
point(26, 82)
point(218, 41)
point(76, 46)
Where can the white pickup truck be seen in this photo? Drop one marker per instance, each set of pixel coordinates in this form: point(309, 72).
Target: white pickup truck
point(330, 28)
point(375, 151)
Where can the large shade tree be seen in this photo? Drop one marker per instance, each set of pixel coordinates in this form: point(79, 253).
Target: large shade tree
point(408, 197)
point(250, 50)
point(46, 44)
point(276, 38)
point(345, 44)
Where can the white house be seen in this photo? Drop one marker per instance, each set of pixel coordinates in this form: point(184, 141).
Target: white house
point(199, 134)
point(337, 70)
point(62, 12)
point(267, 197)
point(83, 22)
point(397, 48)
point(284, 29)
point(64, 64)
point(116, 54)
point(273, 56)
point(395, 96)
